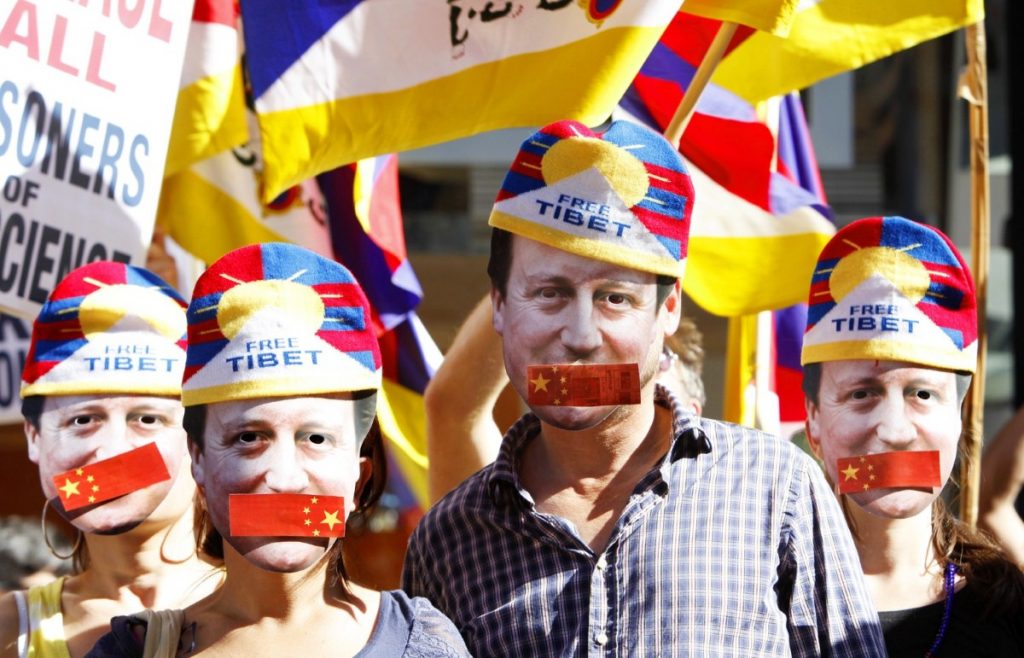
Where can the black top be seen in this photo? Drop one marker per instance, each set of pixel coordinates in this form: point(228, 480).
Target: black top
point(910, 633)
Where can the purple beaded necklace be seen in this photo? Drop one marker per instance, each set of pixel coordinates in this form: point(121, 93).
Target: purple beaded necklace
point(948, 583)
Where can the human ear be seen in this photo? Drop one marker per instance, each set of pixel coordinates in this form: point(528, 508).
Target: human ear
point(497, 310)
point(671, 311)
point(32, 439)
point(198, 471)
point(812, 426)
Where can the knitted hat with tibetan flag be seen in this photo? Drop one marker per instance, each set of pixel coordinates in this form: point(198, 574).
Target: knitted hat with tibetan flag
point(622, 196)
point(274, 320)
point(107, 328)
point(888, 288)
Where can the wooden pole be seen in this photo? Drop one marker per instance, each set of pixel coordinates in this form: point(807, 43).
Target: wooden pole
point(716, 51)
point(974, 88)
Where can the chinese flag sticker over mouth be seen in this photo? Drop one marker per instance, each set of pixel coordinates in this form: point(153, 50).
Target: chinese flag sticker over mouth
point(111, 478)
point(583, 385)
point(286, 515)
point(889, 470)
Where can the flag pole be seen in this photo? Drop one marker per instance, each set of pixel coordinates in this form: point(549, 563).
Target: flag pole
point(716, 51)
point(974, 88)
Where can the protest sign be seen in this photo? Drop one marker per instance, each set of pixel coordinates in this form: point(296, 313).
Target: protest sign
point(87, 96)
point(14, 339)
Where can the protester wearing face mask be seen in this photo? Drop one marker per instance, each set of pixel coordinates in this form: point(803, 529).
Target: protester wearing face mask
point(890, 348)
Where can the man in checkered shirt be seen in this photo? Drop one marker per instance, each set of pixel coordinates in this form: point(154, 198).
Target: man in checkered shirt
point(626, 530)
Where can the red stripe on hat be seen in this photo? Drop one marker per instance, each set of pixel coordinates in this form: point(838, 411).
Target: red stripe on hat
point(952, 319)
point(75, 284)
point(820, 292)
point(111, 478)
point(205, 332)
point(889, 470)
point(63, 330)
point(669, 179)
point(354, 341)
point(859, 235)
point(341, 294)
point(286, 515)
point(243, 265)
point(659, 224)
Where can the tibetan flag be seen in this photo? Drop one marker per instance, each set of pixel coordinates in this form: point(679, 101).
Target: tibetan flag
point(589, 385)
point(366, 230)
point(756, 233)
point(798, 163)
point(337, 82)
point(889, 470)
point(827, 37)
point(214, 207)
point(111, 478)
point(286, 515)
point(210, 112)
point(771, 16)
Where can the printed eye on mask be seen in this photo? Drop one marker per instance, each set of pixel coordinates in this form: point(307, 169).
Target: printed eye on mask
point(588, 385)
point(111, 478)
point(889, 470)
point(286, 515)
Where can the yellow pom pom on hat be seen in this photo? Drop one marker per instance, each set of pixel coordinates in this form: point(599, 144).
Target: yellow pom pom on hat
point(621, 196)
point(891, 289)
point(107, 328)
point(277, 320)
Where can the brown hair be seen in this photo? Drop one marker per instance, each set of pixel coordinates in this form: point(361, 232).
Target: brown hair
point(978, 558)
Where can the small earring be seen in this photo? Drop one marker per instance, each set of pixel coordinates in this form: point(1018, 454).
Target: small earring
point(46, 537)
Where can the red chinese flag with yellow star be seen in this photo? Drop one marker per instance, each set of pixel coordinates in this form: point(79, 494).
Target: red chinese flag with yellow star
point(286, 515)
point(111, 478)
point(889, 470)
point(590, 385)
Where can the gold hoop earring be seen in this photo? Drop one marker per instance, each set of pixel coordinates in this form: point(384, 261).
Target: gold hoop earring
point(46, 536)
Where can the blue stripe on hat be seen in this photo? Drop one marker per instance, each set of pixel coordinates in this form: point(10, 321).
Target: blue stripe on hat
point(900, 233)
point(343, 318)
point(663, 202)
point(58, 350)
point(54, 306)
point(671, 244)
point(823, 270)
point(817, 311)
point(517, 183)
point(201, 353)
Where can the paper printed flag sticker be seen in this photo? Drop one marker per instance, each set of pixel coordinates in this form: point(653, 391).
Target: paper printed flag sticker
point(583, 385)
point(286, 515)
point(889, 470)
point(111, 478)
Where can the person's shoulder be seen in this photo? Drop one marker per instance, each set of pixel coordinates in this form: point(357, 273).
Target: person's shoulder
point(727, 438)
point(471, 497)
point(9, 618)
point(431, 634)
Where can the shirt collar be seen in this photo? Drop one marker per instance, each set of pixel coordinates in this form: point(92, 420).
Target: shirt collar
point(688, 440)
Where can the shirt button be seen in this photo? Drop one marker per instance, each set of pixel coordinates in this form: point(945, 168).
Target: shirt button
point(601, 563)
point(601, 639)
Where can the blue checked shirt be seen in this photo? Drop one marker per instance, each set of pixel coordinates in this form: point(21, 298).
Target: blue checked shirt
point(734, 546)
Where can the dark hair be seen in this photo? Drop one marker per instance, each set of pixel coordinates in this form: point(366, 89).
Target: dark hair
point(32, 409)
point(688, 345)
point(500, 264)
point(811, 383)
point(210, 541)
